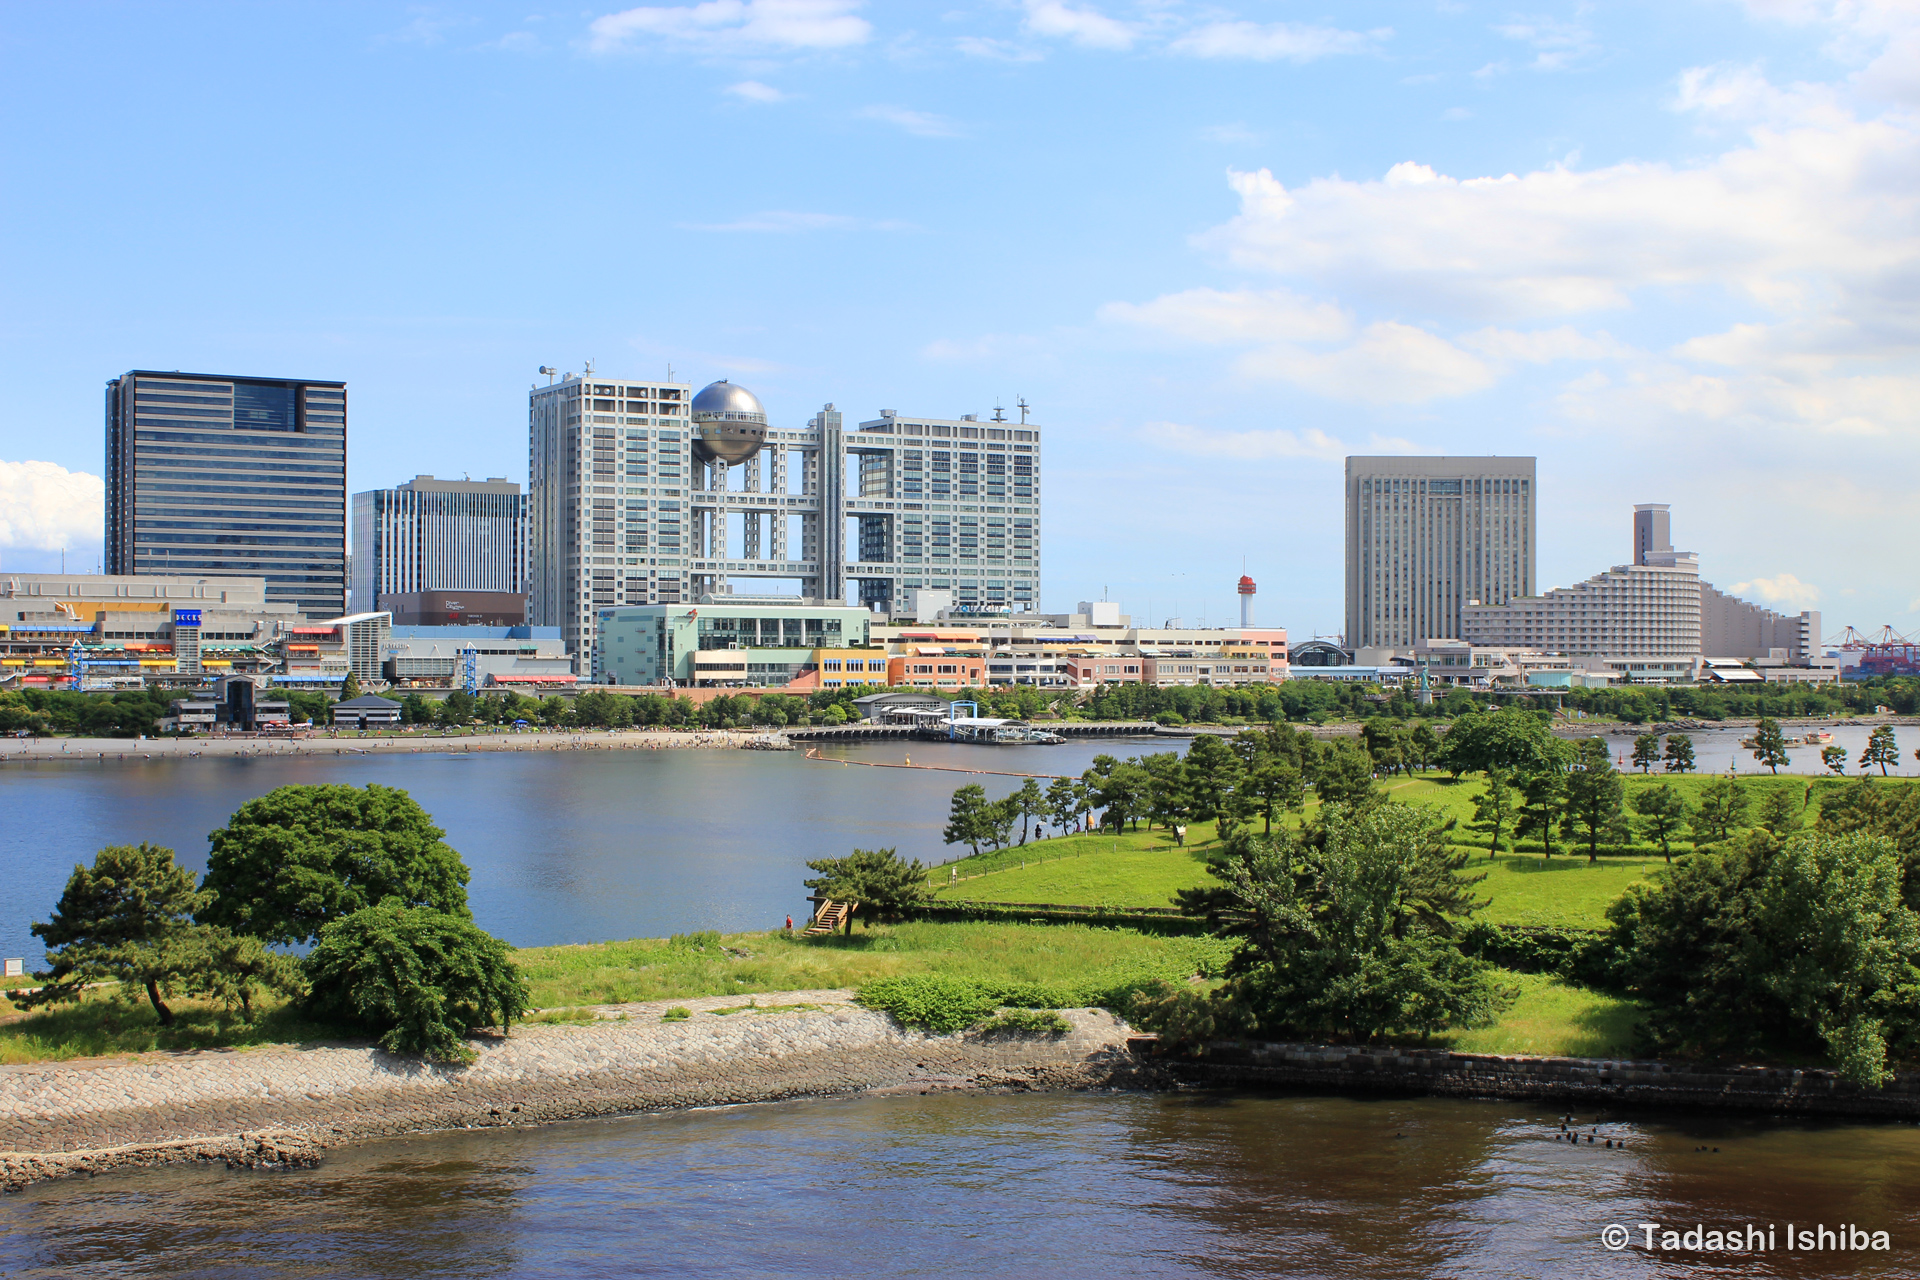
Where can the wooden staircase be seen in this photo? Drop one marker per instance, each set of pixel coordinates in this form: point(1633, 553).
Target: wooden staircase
point(829, 917)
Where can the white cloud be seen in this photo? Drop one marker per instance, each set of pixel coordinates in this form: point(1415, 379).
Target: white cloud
point(1235, 134)
point(45, 507)
point(1086, 27)
point(1782, 589)
point(1540, 346)
point(1276, 41)
point(919, 123)
point(998, 50)
point(1262, 445)
point(1557, 45)
point(1216, 316)
point(785, 221)
point(747, 24)
point(754, 91)
point(1390, 363)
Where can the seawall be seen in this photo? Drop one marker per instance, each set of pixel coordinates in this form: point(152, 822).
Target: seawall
point(1587, 1082)
point(284, 1105)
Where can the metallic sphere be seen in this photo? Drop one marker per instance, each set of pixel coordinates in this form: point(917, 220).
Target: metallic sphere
point(728, 424)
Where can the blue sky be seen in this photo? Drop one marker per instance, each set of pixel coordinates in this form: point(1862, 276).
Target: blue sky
point(1669, 248)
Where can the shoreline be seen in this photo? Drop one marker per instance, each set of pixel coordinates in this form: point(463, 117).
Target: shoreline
point(285, 1106)
point(14, 751)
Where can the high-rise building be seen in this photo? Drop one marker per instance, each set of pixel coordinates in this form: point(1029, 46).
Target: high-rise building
point(1426, 535)
point(608, 461)
point(230, 476)
point(441, 539)
point(1652, 617)
point(646, 494)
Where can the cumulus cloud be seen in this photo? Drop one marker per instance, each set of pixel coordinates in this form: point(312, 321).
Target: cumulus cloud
point(754, 91)
point(1275, 41)
point(1782, 589)
point(1389, 363)
point(1264, 445)
point(1082, 26)
point(731, 24)
point(45, 507)
point(919, 123)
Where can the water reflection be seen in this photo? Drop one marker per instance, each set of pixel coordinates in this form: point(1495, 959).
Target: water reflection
point(1179, 1185)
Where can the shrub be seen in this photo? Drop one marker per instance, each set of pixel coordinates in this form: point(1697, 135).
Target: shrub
point(419, 977)
point(931, 1001)
point(679, 1013)
point(1186, 1017)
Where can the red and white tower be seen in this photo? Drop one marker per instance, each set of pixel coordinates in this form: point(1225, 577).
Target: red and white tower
point(1246, 600)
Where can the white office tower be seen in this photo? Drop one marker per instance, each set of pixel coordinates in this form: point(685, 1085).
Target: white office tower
point(438, 535)
point(607, 464)
point(1426, 535)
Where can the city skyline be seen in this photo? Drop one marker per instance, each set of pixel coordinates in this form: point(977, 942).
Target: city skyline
point(1217, 252)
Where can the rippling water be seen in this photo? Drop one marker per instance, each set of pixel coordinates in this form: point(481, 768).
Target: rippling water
point(569, 846)
point(1044, 1185)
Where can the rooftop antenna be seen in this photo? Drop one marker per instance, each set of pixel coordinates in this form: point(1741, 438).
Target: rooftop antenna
point(589, 366)
point(1023, 406)
point(549, 370)
point(999, 414)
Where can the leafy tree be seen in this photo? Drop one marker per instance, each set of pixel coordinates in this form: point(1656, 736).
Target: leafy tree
point(1274, 786)
point(420, 977)
point(1344, 776)
point(458, 708)
point(835, 714)
point(1594, 794)
point(1170, 800)
point(231, 967)
point(1213, 771)
point(1511, 738)
point(1881, 749)
point(294, 860)
point(1780, 813)
point(128, 918)
point(1493, 809)
point(1031, 804)
point(1646, 752)
point(1835, 758)
point(1000, 815)
point(1665, 813)
point(416, 708)
point(1063, 804)
point(884, 884)
point(1679, 757)
point(966, 818)
point(1121, 795)
point(350, 687)
point(1424, 743)
point(1723, 807)
point(1770, 744)
point(1803, 944)
point(1544, 794)
point(1348, 933)
point(1864, 807)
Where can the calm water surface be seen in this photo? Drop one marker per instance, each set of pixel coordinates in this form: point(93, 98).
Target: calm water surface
point(569, 846)
point(1075, 1185)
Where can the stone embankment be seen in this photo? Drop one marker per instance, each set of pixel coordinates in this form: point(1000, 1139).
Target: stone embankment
point(1561, 1081)
point(286, 1105)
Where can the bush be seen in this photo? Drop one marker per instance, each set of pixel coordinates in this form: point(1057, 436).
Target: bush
point(931, 1001)
point(419, 977)
point(1186, 1017)
point(679, 1013)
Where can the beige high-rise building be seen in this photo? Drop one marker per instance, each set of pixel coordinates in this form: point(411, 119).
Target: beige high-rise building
point(1426, 535)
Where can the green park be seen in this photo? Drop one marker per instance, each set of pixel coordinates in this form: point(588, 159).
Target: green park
point(1491, 887)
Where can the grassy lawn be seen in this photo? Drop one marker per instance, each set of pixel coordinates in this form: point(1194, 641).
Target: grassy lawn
point(1136, 869)
point(105, 1023)
point(658, 969)
point(1553, 1019)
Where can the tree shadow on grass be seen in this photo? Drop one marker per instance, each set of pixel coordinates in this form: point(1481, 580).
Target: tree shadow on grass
point(107, 1024)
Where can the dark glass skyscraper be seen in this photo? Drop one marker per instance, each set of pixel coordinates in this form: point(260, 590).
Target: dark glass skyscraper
point(228, 476)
